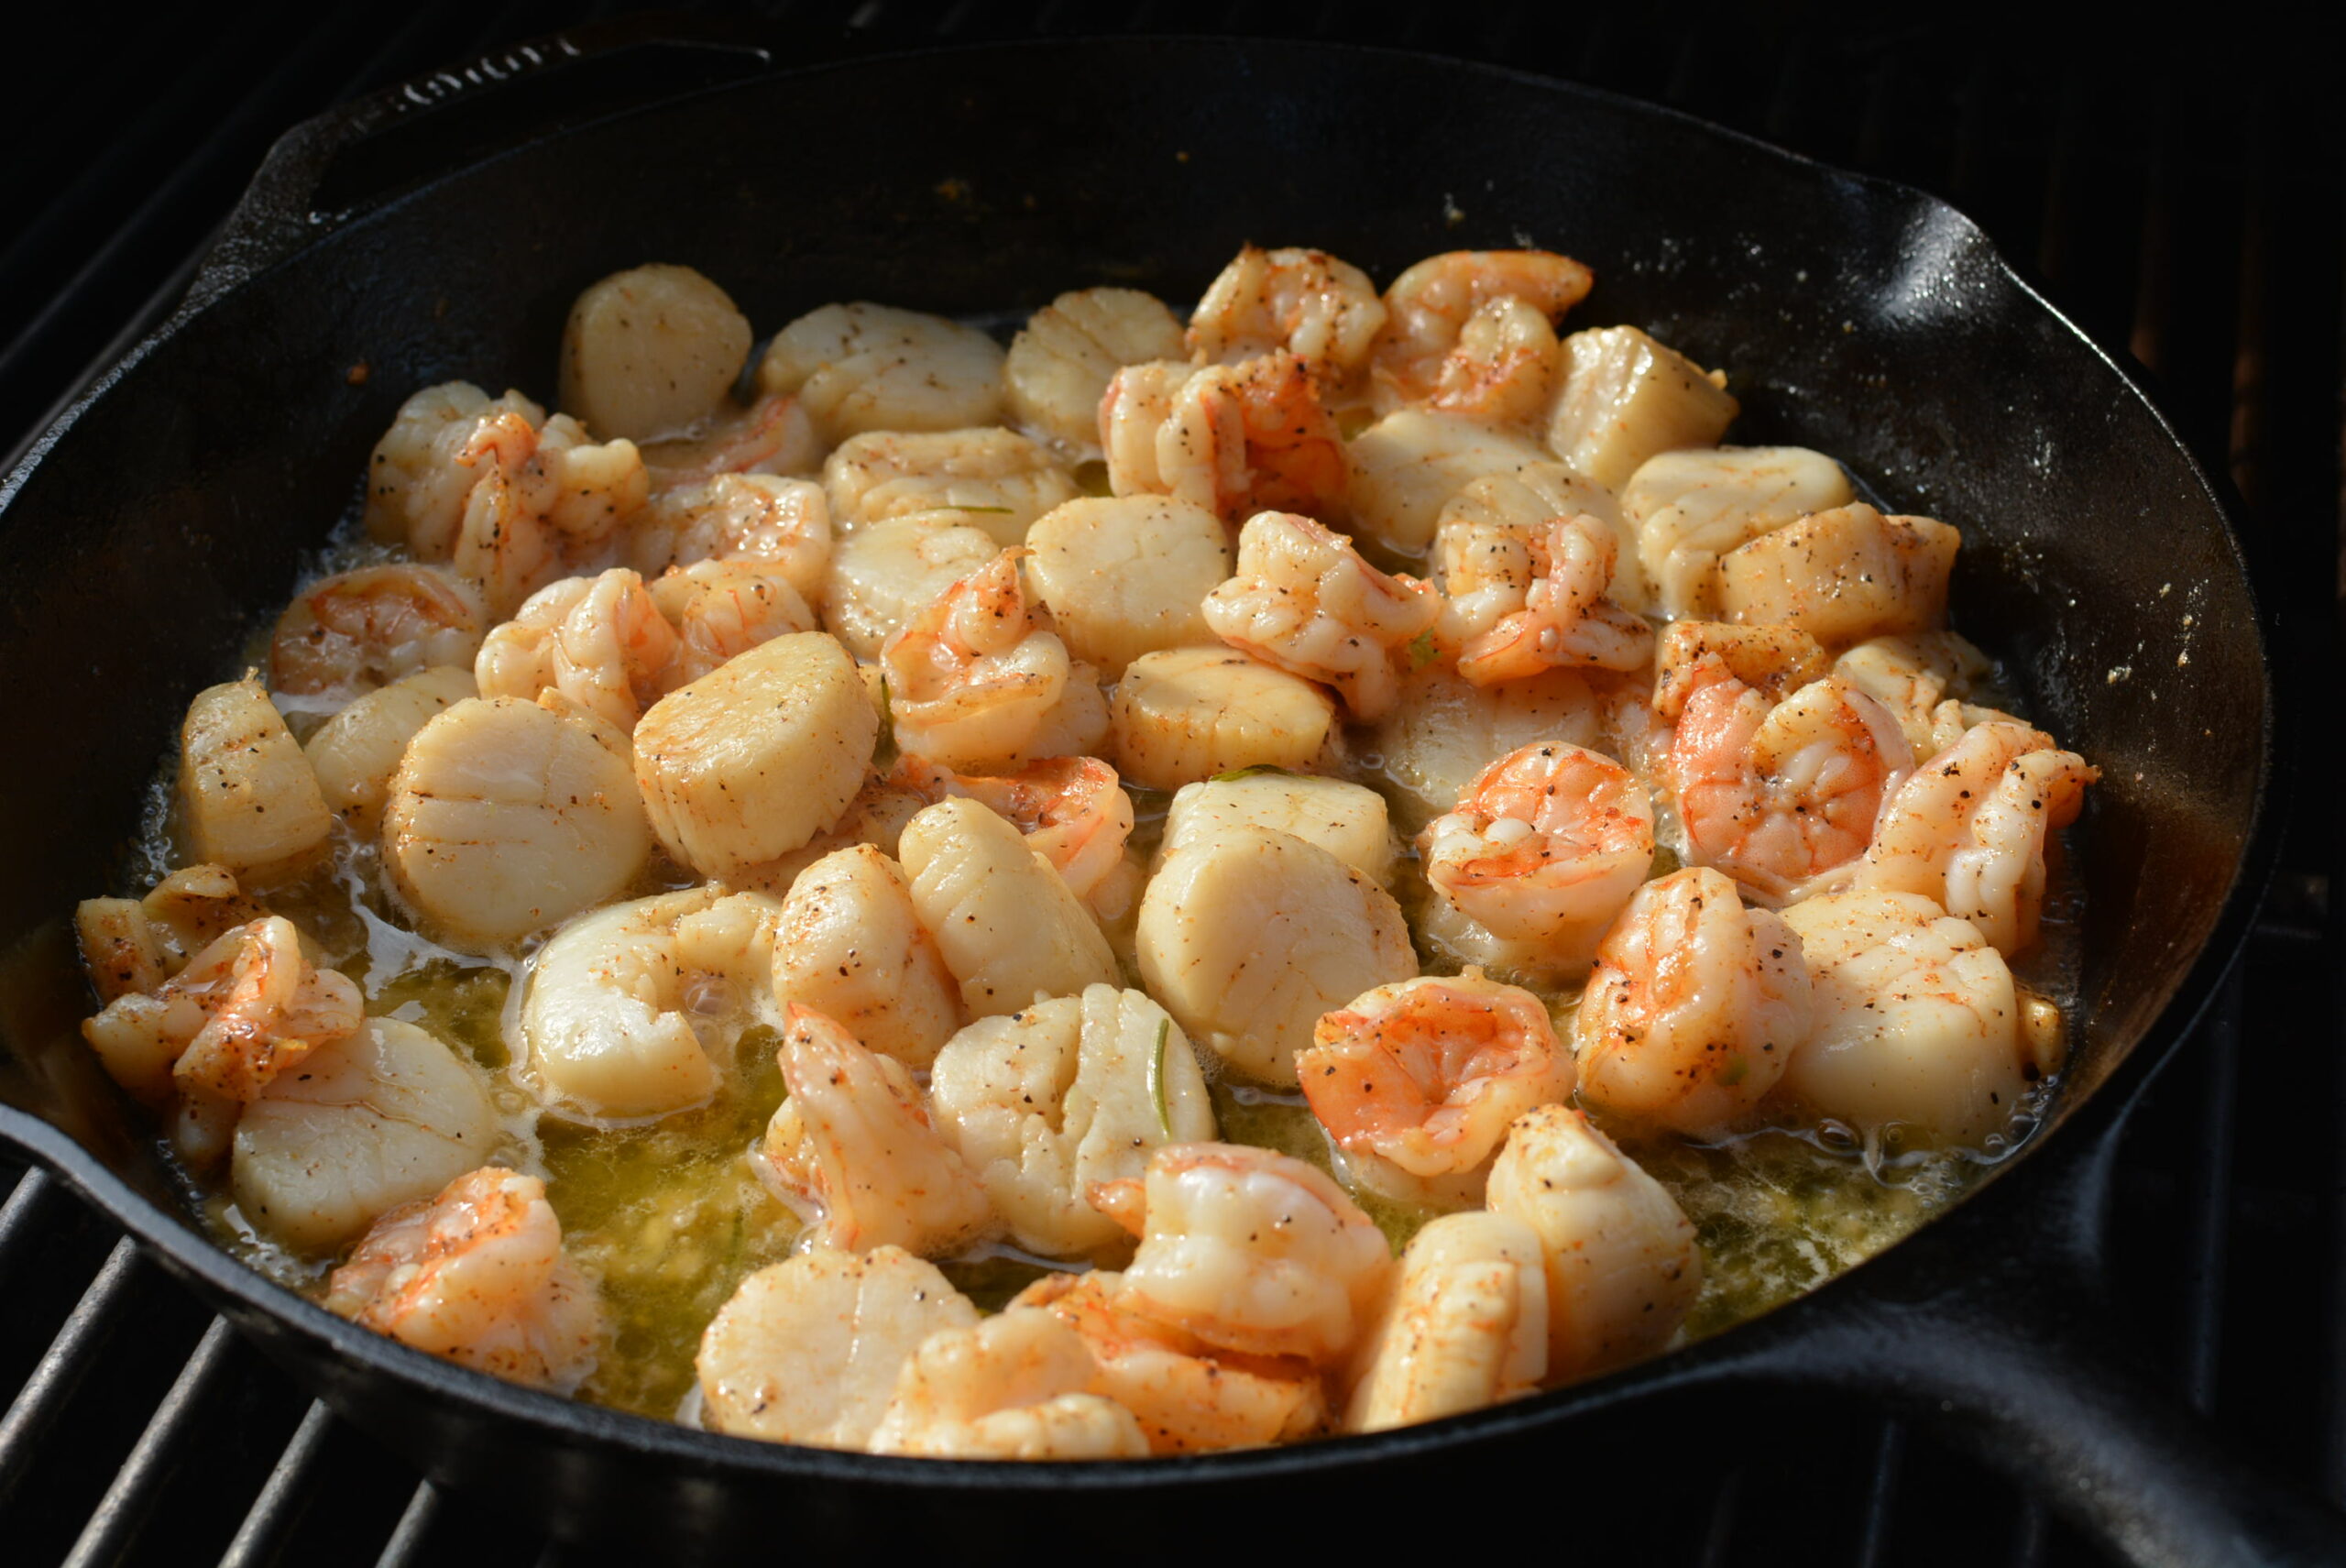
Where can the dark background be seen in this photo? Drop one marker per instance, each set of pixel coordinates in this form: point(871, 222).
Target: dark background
point(2181, 193)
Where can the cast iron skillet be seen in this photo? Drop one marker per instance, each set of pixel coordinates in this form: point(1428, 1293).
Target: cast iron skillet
point(174, 505)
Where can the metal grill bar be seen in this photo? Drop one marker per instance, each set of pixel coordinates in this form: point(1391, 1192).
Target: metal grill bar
point(163, 1447)
point(71, 1357)
point(291, 1485)
point(407, 1542)
point(30, 1202)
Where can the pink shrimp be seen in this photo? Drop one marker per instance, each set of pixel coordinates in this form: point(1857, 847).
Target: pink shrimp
point(1776, 794)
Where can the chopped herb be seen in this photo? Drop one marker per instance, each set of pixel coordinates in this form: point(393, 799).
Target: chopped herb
point(1258, 771)
point(1423, 651)
point(997, 511)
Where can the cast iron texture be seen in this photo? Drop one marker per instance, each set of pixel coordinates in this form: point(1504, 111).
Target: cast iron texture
point(174, 507)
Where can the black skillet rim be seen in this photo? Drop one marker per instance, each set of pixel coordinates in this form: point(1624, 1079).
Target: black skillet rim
point(246, 1293)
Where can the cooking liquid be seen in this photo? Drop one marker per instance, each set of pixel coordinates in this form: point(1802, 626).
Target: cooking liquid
point(670, 1217)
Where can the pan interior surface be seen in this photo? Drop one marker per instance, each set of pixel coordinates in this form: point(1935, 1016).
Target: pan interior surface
point(180, 505)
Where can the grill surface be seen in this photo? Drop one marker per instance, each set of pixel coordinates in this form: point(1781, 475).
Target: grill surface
point(2179, 200)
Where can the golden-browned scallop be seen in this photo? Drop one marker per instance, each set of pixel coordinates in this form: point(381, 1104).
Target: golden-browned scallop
point(758, 756)
point(862, 367)
point(1625, 398)
point(809, 1350)
point(355, 753)
point(1466, 1325)
point(1186, 714)
point(852, 948)
point(1060, 362)
point(1247, 935)
point(1843, 576)
point(1348, 820)
point(506, 817)
point(1623, 1265)
point(247, 793)
point(380, 1118)
point(885, 571)
point(1001, 480)
point(1010, 930)
point(1408, 464)
point(651, 352)
point(1124, 576)
point(1685, 510)
point(1044, 1102)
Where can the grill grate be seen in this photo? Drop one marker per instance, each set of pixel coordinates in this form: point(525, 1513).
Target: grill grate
point(2177, 199)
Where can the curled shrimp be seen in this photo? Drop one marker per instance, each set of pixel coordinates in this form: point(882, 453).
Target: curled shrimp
point(1070, 808)
point(1969, 829)
point(1248, 1250)
point(600, 642)
point(1307, 303)
point(973, 675)
point(1565, 618)
point(419, 476)
point(1776, 661)
point(1188, 1397)
point(503, 544)
point(1472, 333)
point(1304, 601)
point(1011, 1386)
point(1775, 795)
point(1233, 439)
point(1544, 849)
point(1928, 680)
point(853, 1140)
point(354, 631)
point(782, 525)
point(1694, 1008)
point(242, 1011)
point(132, 945)
point(721, 609)
point(773, 436)
point(477, 1274)
point(1428, 1074)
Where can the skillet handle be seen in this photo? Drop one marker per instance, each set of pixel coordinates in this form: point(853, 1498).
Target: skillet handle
point(358, 155)
point(1993, 1328)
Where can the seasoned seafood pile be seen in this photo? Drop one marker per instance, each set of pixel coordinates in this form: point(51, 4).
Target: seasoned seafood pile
point(1179, 886)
